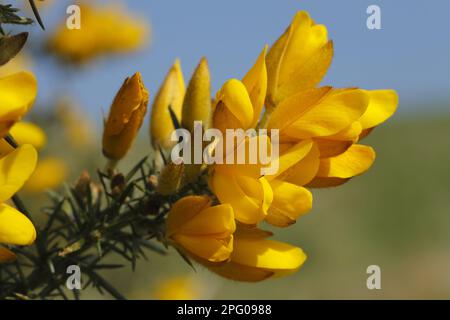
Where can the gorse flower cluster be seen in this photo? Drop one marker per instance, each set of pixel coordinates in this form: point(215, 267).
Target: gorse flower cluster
point(319, 133)
point(213, 214)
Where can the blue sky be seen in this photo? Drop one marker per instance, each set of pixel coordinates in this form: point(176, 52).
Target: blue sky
point(411, 53)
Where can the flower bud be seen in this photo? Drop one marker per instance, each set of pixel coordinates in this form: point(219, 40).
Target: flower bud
point(125, 118)
point(197, 102)
point(170, 95)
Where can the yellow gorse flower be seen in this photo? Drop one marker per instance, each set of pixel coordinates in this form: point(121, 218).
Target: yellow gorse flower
point(125, 118)
point(202, 230)
point(319, 132)
point(255, 258)
point(105, 29)
point(18, 92)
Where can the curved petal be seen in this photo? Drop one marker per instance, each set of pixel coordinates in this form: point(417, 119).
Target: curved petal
point(291, 157)
point(15, 228)
point(267, 254)
point(211, 249)
point(334, 112)
point(305, 170)
point(215, 221)
point(249, 197)
point(236, 99)
point(382, 105)
point(15, 169)
point(293, 108)
point(184, 210)
point(331, 148)
point(17, 94)
point(299, 59)
point(356, 160)
point(289, 202)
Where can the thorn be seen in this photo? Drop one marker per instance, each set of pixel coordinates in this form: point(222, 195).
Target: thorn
point(36, 13)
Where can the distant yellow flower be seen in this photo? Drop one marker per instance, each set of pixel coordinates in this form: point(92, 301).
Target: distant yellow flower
point(78, 129)
point(50, 173)
point(177, 288)
point(125, 118)
point(15, 228)
point(203, 231)
point(17, 94)
point(171, 94)
point(255, 258)
point(105, 29)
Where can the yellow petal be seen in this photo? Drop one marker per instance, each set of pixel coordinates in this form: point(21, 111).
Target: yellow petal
point(15, 169)
point(17, 94)
point(305, 170)
point(356, 160)
point(217, 220)
point(248, 196)
point(250, 165)
point(184, 210)
point(382, 106)
point(298, 60)
point(351, 133)
point(235, 99)
point(289, 202)
point(291, 157)
point(171, 94)
point(267, 254)
point(256, 83)
point(332, 148)
point(336, 111)
point(211, 249)
point(15, 228)
point(6, 255)
point(197, 101)
point(293, 108)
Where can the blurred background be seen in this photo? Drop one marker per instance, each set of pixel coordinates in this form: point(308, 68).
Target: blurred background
point(396, 216)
